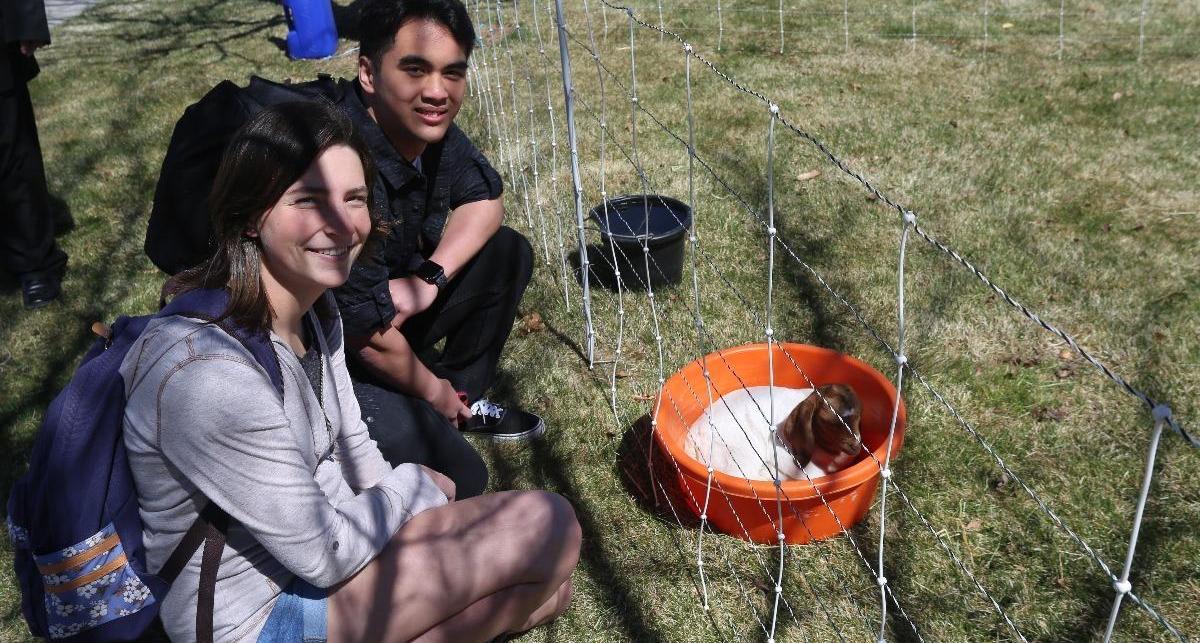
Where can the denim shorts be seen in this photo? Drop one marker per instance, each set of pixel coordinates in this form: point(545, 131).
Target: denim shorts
point(299, 616)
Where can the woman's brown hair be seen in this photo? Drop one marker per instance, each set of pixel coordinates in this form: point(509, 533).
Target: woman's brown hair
point(264, 158)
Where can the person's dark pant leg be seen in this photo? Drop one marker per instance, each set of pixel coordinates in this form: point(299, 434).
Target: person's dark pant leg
point(474, 313)
point(408, 429)
point(26, 224)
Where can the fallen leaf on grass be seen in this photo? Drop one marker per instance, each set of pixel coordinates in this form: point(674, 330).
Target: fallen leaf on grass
point(809, 175)
point(532, 323)
point(1066, 355)
point(1047, 414)
point(1022, 360)
point(642, 397)
point(1007, 25)
point(974, 525)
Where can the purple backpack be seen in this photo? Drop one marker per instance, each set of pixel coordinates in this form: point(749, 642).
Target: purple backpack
point(73, 517)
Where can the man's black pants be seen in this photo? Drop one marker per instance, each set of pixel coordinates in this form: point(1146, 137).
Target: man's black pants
point(26, 223)
point(474, 314)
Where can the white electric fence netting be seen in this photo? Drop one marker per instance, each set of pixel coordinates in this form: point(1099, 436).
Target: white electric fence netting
point(516, 80)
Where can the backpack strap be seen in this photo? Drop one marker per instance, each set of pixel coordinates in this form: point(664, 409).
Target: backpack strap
point(214, 543)
point(209, 304)
point(209, 529)
point(187, 546)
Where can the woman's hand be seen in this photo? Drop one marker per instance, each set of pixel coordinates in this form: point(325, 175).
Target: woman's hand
point(445, 484)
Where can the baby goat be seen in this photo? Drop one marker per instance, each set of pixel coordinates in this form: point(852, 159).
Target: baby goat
point(813, 440)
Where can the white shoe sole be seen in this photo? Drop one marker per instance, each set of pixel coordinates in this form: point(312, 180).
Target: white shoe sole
point(532, 434)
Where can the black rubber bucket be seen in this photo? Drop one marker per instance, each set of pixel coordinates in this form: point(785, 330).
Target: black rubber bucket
point(661, 221)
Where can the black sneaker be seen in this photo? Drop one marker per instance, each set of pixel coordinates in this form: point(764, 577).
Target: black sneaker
point(40, 289)
point(495, 422)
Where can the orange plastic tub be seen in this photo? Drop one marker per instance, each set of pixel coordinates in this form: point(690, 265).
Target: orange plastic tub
point(745, 508)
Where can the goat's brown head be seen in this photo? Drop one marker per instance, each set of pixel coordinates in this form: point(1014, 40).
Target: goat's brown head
point(825, 427)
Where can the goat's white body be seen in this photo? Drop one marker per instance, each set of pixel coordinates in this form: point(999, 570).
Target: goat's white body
point(739, 441)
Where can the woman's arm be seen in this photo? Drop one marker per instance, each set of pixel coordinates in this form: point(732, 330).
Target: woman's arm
point(223, 427)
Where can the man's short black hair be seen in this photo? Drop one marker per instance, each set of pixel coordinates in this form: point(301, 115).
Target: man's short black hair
point(379, 21)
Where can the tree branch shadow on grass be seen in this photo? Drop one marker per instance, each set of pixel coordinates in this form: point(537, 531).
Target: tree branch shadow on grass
point(112, 268)
point(148, 37)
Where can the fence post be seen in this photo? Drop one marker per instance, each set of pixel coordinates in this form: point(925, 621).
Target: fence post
point(576, 182)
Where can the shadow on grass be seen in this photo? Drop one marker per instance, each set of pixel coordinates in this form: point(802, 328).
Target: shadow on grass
point(800, 284)
point(142, 37)
point(1157, 529)
point(894, 567)
point(73, 339)
point(650, 479)
point(107, 276)
point(616, 590)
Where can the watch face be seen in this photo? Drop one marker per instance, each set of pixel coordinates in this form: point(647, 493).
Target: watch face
point(430, 272)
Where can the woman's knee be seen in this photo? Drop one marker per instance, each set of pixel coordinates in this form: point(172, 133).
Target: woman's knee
point(550, 522)
point(553, 608)
point(563, 598)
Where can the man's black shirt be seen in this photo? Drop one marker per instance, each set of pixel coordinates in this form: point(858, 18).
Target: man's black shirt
point(415, 200)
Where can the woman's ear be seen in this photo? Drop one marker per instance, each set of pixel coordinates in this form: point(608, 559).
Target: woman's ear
point(797, 429)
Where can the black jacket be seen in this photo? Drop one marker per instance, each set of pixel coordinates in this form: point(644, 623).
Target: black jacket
point(20, 20)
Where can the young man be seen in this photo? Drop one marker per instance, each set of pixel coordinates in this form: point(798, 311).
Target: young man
point(448, 271)
point(27, 236)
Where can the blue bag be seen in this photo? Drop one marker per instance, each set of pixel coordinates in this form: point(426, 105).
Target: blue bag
point(312, 32)
point(73, 517)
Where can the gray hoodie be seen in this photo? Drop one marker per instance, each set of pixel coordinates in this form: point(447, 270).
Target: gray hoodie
point(204, 422)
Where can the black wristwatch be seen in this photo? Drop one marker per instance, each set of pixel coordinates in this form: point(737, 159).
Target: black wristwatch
point(431, 273)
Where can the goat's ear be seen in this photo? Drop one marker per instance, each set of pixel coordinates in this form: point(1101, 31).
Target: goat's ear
point(797, 429)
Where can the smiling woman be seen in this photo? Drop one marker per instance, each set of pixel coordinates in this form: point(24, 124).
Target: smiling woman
point(327, 540)
point(293, 183)
point(312, 235)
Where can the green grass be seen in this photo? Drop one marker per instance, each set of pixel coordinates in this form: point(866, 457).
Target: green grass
point(1081, 203)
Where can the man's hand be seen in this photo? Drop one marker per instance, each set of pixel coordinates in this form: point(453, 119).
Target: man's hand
point(445, 399)
point(410, 295)
point(30, 46)
point(445, 484)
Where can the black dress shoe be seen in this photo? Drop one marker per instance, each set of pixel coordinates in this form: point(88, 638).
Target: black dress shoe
point(39, 289)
